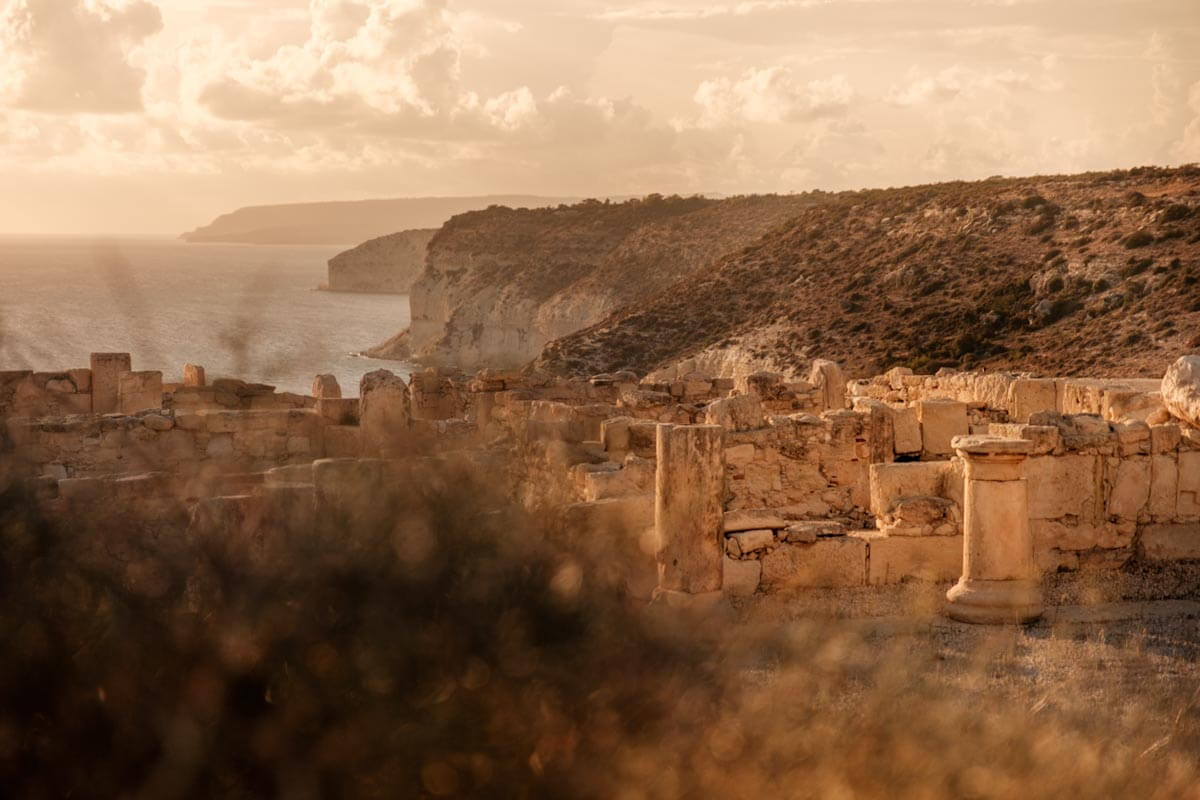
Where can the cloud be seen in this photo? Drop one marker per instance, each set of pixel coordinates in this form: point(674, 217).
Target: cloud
point(1188, 147)
point(958, 81)
point(70, 56)
point(771, 95)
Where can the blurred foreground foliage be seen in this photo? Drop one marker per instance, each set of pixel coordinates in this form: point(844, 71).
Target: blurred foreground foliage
point(442, 643)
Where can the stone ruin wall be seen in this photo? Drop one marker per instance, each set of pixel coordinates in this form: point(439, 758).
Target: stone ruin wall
point(817, 494)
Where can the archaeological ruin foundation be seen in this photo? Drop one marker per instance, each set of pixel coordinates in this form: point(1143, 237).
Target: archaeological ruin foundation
point(706, 488)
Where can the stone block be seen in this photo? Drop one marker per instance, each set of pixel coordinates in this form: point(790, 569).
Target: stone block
point(742, 412)
point(139, 391)
point(384, 414)
point(941, 421)
point(82, 378)
point(1061, 486)
point(741, 578)
point(326, 387)
point(1062, 535)
point(832, 562)
point(892, 559)
point(106, 369)
point(1164, 486)
point(343, 441)
point(889, 482)
point(1171, 542)
point(830, 382)
point(751, 519)
point(907, 429)
point(746, 543)
point(1027, 396)
point(1130, 487)
point(193, 376)
point(1189, 484)
point(1046, 438)
point(1164, 438)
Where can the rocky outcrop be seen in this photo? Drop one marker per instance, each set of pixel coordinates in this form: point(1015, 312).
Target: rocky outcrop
point(500, 284)
point(389, 264)
point(1181, 390)
point(1063, 275)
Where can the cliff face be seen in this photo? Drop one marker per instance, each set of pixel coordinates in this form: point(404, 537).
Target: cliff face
point(349, 222)
point(500, 284)
point(1087, 274)
point(389, 264)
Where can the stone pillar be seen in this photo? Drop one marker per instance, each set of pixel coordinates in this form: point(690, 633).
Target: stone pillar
point(325, 387)
point(139, 391)
point(1000, 581)
point(689, 518)
point(193, 376)
point(829, 378)
point(106, 372)
point(384, 414)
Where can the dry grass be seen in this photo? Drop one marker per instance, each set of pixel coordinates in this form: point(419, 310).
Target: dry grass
point(442, 643)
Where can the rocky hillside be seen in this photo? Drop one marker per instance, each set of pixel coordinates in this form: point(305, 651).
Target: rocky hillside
point(500, 284)
point(1096, 273)
point(389, 264)
point(347, 222)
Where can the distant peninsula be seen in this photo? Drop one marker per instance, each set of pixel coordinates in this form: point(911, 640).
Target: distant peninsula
point(349, 223)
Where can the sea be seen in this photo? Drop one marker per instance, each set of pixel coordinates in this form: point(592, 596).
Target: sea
point(244, 311)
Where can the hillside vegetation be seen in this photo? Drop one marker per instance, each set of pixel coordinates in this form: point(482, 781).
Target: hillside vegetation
point(502, 283)
point(1085, 274)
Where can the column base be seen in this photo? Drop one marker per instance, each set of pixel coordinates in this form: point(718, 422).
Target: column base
point(983, 602)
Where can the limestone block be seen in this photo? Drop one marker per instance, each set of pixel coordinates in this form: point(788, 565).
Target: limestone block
point(739, 455)
point(193, 376)
point(1164, 486)
point(752, 519)
point(832, 562)
point(829, 379)
point(384, 413)
point(1062, 485)
point(106, 369)
point(907, 429)
point(1133, 437)
point(343, 441)
point(808, 531)
point(941, 421)
point(893, 559)
point(325, 387)
point(82, 378)
point(1181, 390)
point(614, 434)
point(1171, 542)
point(1189, 484)
point(339, 411)
point(1130, 404)
point(633, 514)
point(1061, 535)
point(688, 515)
point(1164, 438)
point(139, 391)
point(158, 422)
point(1130, 487)
point(220, 446)
point(741, 412)
point(741, 578)
point(896, 375)
point(643, 435)
point(746, 543)
point(1027, 396)
point(922, 516)
point(1045, 438)
point(890, 482)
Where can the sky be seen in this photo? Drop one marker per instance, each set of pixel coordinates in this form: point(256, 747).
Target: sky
point(154, 116)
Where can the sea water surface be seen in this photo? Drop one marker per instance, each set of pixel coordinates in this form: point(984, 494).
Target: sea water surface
point(244, 311)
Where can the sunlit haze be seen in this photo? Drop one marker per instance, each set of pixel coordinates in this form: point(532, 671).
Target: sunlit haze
point(153, 116)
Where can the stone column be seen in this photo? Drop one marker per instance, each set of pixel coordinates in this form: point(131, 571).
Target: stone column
point(1000, 581)
point(689, 517)
point(106, 372)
